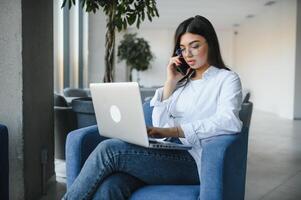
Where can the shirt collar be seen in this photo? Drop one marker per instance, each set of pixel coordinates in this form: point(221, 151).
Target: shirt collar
point(210, 72)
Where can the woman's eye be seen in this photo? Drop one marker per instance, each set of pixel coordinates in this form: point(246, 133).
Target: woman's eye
point(195, 46)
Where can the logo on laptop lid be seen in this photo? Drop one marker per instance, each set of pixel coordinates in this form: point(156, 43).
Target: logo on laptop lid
point(115, 113)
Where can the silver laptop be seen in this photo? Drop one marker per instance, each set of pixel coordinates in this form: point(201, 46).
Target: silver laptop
point(119, 114)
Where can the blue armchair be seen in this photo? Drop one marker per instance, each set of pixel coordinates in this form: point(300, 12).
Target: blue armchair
point(223, 163)
point(3, 162)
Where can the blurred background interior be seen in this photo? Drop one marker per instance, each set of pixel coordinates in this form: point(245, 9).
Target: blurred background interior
point(49, 56)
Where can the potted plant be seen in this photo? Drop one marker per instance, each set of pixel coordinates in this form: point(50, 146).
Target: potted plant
point(136, 52)
point(120, 14)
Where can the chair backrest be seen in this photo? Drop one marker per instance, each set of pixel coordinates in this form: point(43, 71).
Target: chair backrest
point(148, 110)
point(246, 113)
point(75, 92)
point(85, 114)
point(235, 160)
point(59, 100)
point(246, 96)
point(147, 93)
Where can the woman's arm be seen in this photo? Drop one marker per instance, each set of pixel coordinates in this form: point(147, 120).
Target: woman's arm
point(225, 120)
point(160, 115)
point(163, 96)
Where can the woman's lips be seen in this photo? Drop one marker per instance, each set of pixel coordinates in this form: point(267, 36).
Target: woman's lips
point(191, 62)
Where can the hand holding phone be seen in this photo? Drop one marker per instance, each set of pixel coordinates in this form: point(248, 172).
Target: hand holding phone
point(183, 67)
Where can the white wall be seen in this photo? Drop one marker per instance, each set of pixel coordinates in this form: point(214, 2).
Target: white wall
point(265, 57)
point(225, 38)
point(96, 46)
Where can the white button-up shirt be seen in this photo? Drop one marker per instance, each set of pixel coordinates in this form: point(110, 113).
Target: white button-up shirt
point(203, 108)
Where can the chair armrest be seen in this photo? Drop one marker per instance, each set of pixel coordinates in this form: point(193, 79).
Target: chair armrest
point(224, 167)
point(80, 143)
point(64, 119)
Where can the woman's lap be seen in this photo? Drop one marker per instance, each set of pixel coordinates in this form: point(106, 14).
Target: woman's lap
point(152, 166)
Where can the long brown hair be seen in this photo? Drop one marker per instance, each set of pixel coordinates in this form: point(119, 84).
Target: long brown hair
point(201, 26)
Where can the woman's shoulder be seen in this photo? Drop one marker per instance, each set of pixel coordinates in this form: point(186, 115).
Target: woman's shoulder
point(225, 74)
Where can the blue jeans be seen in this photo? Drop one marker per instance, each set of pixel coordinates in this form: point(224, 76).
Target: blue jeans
point(115, 169)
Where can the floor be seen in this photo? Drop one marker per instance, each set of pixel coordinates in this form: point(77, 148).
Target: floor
point(274, 161)
point(57, 190)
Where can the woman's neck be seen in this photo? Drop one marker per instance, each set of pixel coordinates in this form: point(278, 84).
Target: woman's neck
point(200, 71)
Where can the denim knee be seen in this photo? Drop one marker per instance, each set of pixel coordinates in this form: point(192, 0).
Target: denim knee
point(117, 186)
point(109, 150)
point(112, 147)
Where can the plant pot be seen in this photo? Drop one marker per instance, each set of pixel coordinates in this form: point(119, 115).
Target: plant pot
point(84, 110)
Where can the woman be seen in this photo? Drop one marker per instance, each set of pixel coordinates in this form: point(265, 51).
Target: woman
point(203, 103)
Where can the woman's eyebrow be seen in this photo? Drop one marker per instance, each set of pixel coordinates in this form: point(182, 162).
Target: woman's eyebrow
point(191, 42)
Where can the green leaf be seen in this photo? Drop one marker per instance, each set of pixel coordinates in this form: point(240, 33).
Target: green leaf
point(125, 24)
point(138, 22)
point(149, 17)
point(131, 19)
point(70, 4)
point(142, 16)
point(119, 24)
point(64, 3)
point(157, 13)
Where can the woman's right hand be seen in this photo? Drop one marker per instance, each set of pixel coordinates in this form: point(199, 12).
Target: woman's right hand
point(173, 76)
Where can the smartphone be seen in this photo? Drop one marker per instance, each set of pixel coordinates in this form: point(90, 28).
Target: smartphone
point(183, 67)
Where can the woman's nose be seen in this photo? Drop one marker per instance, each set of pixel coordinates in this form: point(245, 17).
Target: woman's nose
point(188, 53)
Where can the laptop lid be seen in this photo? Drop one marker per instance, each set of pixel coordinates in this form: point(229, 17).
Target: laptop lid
point(119, 112)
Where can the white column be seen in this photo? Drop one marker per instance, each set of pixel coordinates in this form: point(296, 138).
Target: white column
point(58, 45)
point(74, 45)
point(85, 49)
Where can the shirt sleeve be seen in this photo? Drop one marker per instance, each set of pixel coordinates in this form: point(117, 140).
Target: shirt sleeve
point(226, 118)
point(160, 114)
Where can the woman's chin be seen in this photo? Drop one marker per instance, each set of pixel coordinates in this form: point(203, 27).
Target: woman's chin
point(193, 65)
point(196, 67)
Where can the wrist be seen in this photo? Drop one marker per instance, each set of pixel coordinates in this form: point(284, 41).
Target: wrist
point(180, 133)
point(168, 89)
point(174, 132)
point(171, 82)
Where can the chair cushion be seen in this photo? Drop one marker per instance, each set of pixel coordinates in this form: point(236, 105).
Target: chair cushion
point(167, 192)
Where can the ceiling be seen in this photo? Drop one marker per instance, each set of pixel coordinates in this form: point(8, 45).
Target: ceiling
point(224, 14)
